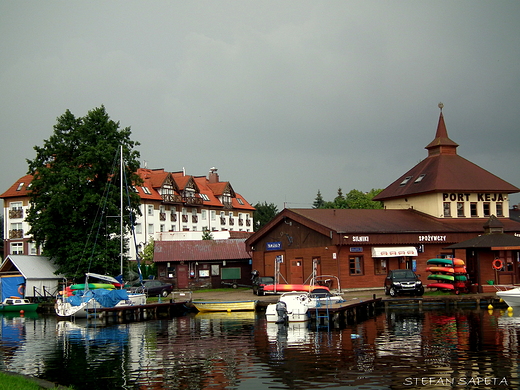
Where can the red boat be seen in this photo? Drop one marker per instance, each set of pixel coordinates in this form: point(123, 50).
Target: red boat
point(271, 288)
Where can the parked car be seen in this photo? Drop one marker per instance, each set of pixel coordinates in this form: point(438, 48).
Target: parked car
point(403, 281)
point(153, 288)
point(259, 282)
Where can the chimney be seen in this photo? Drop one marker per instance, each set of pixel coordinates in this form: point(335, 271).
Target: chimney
point(213, 175)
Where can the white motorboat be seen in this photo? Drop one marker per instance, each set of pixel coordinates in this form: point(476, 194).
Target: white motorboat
point(321, 297)
point(291, 307)
point(511, 296)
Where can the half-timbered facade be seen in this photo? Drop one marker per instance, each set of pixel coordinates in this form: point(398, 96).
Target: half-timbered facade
point(173, 206)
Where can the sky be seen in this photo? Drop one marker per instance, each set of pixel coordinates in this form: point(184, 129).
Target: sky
point(285, 98)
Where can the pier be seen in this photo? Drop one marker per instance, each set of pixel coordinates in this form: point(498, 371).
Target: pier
point(139, 312)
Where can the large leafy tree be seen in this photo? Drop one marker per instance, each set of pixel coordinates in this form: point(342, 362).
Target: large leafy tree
point(75, 193)
point(263, 214)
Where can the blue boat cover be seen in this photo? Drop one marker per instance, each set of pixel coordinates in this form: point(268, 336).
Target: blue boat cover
point(106, 298)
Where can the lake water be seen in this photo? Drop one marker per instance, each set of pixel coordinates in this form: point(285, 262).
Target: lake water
point(398, 349)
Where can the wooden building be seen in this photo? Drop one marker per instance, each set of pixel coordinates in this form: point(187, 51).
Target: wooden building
point(443, 200)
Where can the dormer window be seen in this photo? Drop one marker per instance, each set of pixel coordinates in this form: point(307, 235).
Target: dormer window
point(419, 179)
point(406, 180)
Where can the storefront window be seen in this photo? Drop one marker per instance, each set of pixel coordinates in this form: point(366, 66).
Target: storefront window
point(356, 265)
point(447, 209)
point(380, 266)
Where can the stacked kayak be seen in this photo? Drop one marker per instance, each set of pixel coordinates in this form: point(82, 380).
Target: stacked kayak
point(447, 274)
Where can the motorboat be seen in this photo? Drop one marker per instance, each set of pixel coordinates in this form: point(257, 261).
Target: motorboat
point(322, 297)
point(17, 304)
point(510, 296)
point(291, 307)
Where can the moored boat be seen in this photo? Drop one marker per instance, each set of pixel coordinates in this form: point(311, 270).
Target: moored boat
point(281, 288)
point(291, 307)
point(16, 304)
point(206, 306)
point(511, 297)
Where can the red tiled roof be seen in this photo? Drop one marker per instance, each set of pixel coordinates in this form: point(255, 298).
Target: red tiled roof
point(13, 191)
point(201, 250)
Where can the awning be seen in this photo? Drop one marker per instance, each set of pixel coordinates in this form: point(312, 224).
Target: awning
point(396, 251)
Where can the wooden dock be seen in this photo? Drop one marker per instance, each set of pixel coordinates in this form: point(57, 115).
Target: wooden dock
point(339, 314)
point(139, 312)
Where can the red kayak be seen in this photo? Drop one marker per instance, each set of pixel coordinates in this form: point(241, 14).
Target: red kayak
point(447, 270)
point(291, 287)
point(444, 286)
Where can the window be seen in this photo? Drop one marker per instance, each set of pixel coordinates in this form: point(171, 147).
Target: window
point(460, 209)
point(146, 191)
point(15, 206)
point(20, 186)
point(419, 179)
point(204, 197)
point(356, 265)
point(499, 209)
point(406, 180)
point(150, 209)
point(380, 266)
point(33, 250)
point(213, 215)
point(150, 228)
point(138, 228)
point(17, 248)
point(240, 201)
point(203, 214)
point(487, 209)
point(162, 227)
point(473, 209)
point(447, 209)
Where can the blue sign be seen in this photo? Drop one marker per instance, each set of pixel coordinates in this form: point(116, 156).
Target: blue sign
point(356, 249)
point(273, 246)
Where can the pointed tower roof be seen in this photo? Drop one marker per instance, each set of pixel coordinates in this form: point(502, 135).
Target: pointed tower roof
point(442, 144)
point(444, 171)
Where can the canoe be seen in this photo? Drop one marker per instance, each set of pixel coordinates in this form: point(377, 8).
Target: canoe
point(442, 286)
point(204, 306)
point(461, 278)
point(460, 270)
point(436, 268)
point(446, 262)
point(441, 277)
point(92, 286)
point(291, 287)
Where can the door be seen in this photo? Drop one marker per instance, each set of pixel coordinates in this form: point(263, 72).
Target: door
point(296, 271)
point(182, 277)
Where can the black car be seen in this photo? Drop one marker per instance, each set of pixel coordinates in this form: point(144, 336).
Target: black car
point(154, 288)
point(259, 282)
point(403, 281)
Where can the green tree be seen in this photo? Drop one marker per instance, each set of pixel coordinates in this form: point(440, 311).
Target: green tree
point(355, 199)
point(263, 214)
point(318, 201)
point(74, 197)
point(206, 234)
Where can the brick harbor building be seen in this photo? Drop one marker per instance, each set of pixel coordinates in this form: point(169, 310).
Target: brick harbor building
point(443, 200)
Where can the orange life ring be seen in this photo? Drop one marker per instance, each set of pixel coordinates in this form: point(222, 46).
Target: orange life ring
point(21, 289)
point(497, 264)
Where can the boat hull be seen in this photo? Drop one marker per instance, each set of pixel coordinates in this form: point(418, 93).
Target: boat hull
point(64, 308)
point(510, 297)
point(217, 306)
point(296, 308)
point(18, 308)
point(442, 286)
point(281, 288)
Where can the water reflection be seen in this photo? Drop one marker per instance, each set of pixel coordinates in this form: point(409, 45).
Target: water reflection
point(396, 349)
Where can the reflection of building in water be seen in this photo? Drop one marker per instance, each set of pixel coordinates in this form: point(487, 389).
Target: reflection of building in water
point(402, 336)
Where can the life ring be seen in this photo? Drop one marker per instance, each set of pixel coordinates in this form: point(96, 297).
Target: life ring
point(21, 289)
point(497, 264)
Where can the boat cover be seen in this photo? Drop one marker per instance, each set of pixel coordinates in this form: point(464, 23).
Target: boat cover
point(106, 298)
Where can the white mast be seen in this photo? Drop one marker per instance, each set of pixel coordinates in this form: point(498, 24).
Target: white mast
point(121, 209)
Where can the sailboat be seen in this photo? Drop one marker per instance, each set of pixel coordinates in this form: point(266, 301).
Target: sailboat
point(83, 300)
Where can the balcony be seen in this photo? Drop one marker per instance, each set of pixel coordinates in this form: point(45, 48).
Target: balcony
point(185, 218)
point(192, 200)
point(231, 221)
point(16, 213)
point(248, 222)
point(194, 219)
point(16, 233)
point(240, 222)
point(173, 217)
point(171, 198)
point(162, 216)
point(222, 220)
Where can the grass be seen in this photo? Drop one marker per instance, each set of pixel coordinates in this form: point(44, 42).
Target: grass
point(18, 382)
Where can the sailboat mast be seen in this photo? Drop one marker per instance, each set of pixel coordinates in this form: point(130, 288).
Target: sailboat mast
point(121, 209)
